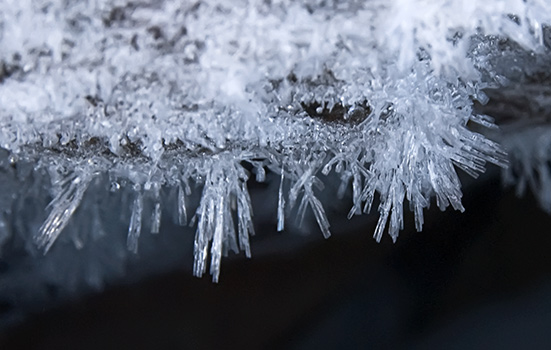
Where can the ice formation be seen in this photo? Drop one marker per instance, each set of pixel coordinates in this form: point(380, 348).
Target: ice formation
point(197, 96)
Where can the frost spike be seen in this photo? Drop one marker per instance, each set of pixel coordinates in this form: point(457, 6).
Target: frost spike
point(384, 209)
point(135, 227)
point(63, 206)
point(281, 204)
point(216, 249)
point(319, 213)
point(156, 218)
point(182, 210)
point(245, 225)
point(224, 192)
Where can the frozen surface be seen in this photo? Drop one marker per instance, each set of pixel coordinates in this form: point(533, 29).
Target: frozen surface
point(170, 107)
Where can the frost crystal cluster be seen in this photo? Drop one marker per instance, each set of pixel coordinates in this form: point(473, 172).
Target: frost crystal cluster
point(171, 98)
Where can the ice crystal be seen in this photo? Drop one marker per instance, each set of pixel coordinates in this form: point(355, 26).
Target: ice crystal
point(160, 95)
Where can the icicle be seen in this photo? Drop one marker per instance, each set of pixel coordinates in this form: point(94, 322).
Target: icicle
point(204, 232)
point(245, 224)
point(295, 189)
point(135, 227)
point(5, 231)
point(156, 218)
point(97, 226)
point(484, 120)
point(157, 209)
point(216, 249)
point(418, 217)
point(281, 204)
point(260, 173)
point(319, 213)
point(384, 210)
point(310, 199)
point(229, 238)
point(356, 193)
point(182, 211)
point(63, 206)
point(397, 215)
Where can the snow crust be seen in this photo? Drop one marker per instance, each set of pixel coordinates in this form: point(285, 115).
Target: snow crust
point(199, 96)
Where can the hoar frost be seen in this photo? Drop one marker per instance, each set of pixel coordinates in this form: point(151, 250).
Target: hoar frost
point(193, 95)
